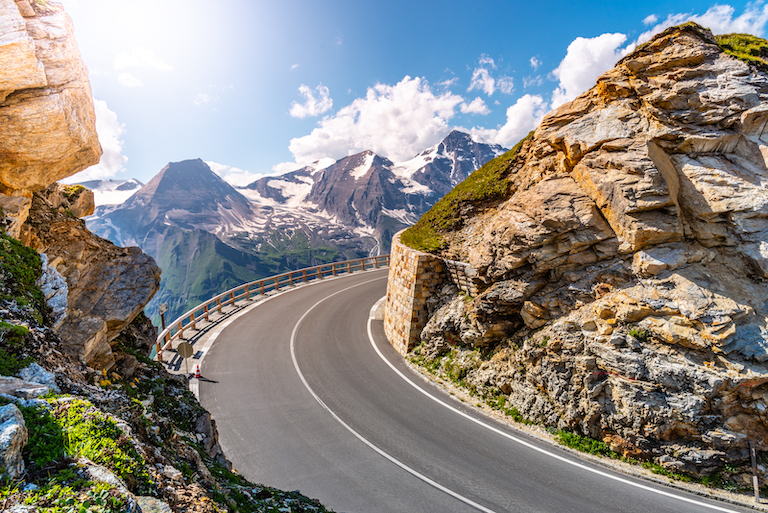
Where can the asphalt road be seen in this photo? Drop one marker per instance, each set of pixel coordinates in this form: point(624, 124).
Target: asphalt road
point(303, 401)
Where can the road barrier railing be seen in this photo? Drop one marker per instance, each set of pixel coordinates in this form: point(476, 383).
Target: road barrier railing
point(247, 291)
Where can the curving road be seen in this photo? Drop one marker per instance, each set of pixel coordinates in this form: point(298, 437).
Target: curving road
point(304, 399)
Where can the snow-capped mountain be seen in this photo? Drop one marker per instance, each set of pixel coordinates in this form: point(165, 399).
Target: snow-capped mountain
point(208, 236)
point(112, 192)
point(371, 194)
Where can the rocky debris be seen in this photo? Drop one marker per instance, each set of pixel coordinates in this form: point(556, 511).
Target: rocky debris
point(13, 437)
point(633, 239)
point(46, 104)
point(108, 286)
point(11, 387)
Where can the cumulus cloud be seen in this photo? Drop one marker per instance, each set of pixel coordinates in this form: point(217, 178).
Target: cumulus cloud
point(476, 106)
point(232, 175)
point(315, 102)
point(522, 117)
point(585, 60)
point(110, 132)
point(535, 63)
point(719, 18)
point(140, 58)
point(533, 81)
point(395, 121)
point(129, 80)
point(650, 19)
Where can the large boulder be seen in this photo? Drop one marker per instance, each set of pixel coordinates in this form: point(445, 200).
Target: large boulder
point(633, 236)
point(46, 105)
point(108, 286)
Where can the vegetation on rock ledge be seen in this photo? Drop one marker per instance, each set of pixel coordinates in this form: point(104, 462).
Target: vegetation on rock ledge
point(490, 182)
point(748, 48)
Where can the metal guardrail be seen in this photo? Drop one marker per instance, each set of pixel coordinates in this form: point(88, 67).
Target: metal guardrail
point(189, 320)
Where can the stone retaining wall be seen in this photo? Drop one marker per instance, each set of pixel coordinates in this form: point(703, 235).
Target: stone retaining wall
point(413, 277)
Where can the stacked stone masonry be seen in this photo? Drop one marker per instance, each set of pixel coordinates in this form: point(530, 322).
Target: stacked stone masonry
point(413, 277)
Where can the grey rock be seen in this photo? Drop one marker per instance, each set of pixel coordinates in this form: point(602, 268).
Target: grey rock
point(36, 374)
point(13, 438)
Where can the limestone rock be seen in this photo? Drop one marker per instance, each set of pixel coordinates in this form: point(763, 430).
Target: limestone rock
point(15, 387)
point(108, 286)
point(54, 287)
point(46, 105)
point(625, 271)
point(13, 438)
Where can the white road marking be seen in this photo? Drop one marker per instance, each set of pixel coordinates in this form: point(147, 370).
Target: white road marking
point(527, 444)
point(358, 435)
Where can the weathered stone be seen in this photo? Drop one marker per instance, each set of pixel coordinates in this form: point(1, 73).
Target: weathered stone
point(46, 105)
point(54, 287)
point(22, 389)
point(13, 438)
point(108, 286)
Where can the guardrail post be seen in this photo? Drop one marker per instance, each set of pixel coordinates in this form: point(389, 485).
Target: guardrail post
point(192, 320)
point(362, 264)
point(205, 311)
point(262, 287)
point(232, 298)
point(247, 293)
point(304, 275)
point(218, 304)
point(333, 266)
point(290, 279)
point(349, 266)
point(277, 283)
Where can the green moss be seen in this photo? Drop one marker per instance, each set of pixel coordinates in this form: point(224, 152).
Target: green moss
point(750, 49)
point(490, 182)
point(20, 268)
point(12, 359)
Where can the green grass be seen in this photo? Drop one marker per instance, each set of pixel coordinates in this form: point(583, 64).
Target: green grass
point(750, 49)
point(11, 346)
point(76, 428)
point(20, 268)
point(585, 444)
point(490, 182)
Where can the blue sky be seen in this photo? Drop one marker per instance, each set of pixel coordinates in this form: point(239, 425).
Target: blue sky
point(257, 87)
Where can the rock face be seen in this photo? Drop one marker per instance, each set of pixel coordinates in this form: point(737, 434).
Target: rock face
point(46, 106)
point(108, 286)
point(634, 233)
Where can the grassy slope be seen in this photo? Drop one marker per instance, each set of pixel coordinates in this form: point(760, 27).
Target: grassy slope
point(489, 183)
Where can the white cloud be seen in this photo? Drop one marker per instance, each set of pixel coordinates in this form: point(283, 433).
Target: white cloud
point(506, 84)
point(110, 132)
point(476, 106)
point(482, 79)
point(522, 117)
point(129, 80)
point(294, 66)
point(535, 63)
point(140, 58)
point(650, 19)
point(232, 175)
point(202, 99)
point(315, 102)
point(585, 60)
point(395, 121)
point(533, 81)
point(719, 19)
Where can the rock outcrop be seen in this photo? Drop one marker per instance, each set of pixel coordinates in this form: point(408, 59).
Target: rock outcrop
point(633, 238)
point(46, 105)
point(108, 286)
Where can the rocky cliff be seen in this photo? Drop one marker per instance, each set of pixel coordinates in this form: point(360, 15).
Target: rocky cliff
point(620, 259)
point(87, 421)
